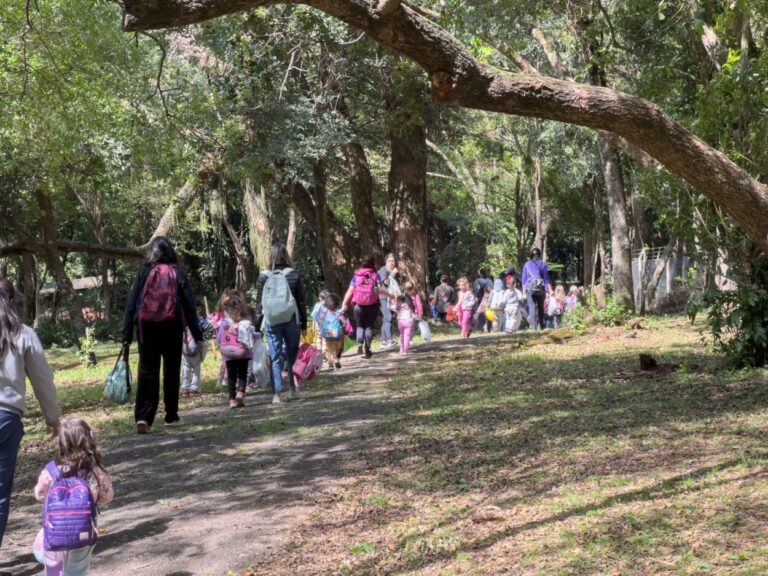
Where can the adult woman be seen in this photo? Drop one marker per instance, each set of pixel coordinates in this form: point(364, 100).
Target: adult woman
point(282, 318)
point(364, 293)
point(536, 287)
point(21, 356)
point(386, 276)
point(160, 305)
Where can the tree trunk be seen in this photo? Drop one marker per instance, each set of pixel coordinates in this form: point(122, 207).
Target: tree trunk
point(461, 80)
point(361, 187)
point(538, 240)
point(290, 241)
point(408, 203)
point(621, 247)
point(259, 229)
point(52, 256)
point(244, 268)
point(29, 288)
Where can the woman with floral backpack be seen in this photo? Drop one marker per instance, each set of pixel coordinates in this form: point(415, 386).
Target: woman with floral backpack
point(160, 306)
point(363, 294)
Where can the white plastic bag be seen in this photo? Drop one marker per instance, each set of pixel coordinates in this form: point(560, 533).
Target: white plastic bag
point(426, 333)
point(259, 367)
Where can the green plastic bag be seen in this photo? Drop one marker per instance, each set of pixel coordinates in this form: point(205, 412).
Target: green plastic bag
point(117, 386)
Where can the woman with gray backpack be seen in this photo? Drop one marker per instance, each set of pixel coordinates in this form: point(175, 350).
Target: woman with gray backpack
point(281, 312)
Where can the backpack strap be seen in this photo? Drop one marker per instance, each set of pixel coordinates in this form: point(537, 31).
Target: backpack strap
point(53, 470)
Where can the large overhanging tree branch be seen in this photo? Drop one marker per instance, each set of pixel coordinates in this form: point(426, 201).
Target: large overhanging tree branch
point(181, 202)
point(459, 79)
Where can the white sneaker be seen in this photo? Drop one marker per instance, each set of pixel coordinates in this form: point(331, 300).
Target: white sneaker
point(276, 399)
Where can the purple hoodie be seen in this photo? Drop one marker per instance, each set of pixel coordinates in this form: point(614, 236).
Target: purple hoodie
point(535, 269)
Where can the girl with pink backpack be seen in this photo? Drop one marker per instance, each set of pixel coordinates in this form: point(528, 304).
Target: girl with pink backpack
point(236, 339)
point(467, 301)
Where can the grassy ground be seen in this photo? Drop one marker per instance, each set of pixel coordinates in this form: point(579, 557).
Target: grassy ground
point(513, 457)
point(529, 455)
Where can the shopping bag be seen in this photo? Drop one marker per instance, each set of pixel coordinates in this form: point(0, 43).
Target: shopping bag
point(117, 386)
point(426, 333)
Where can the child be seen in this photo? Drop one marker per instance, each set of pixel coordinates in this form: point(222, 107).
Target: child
point(572, 299)
point(467, 301)
point(497, 304)
point(77, 455)
point(215, 318)
point(405, 317)
point(418, 306)
point(559, 305)
point(236, 340)
point(317, 309)
point(513, 312)
point(192, 358)
point(331, 324)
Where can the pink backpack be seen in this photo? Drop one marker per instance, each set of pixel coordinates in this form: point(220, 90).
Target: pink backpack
point(365, 287)
point(308, 362)
point(230, 346)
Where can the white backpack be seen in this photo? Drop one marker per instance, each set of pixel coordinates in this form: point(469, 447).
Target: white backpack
point(277, 303)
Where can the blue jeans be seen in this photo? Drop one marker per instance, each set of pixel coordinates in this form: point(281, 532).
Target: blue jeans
point(11, 431)
point(386, 324)
point(288, 335)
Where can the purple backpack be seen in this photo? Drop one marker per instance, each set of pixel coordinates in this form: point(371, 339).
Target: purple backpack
point(69, 512)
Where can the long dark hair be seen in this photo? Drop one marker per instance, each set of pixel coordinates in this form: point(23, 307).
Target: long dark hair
point(10, 325)
point(161, 251)
point(367, 262)
point(279, 257)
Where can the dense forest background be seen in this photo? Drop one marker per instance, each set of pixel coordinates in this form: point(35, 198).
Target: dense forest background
point(284, 123)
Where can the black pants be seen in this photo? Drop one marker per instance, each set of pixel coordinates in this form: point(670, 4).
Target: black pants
point(237, 375)
point(538, 300)
point(365, 318)
point(161, 341)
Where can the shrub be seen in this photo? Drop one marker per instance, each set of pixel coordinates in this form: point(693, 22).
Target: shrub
point(738, 318)
point(55, 334)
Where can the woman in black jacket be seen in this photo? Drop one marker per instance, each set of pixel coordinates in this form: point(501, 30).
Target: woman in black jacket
point(160, 306)
point(284, 334)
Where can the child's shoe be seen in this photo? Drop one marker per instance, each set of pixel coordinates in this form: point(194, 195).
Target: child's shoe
point(185, 393)
point(338, 364)
point(232, 403)
point(240, 398)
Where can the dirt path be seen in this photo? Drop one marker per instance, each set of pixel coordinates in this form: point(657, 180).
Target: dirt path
point(225, 490)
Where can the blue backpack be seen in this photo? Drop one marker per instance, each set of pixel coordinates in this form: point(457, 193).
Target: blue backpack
point(69, 512)
point(331, 327)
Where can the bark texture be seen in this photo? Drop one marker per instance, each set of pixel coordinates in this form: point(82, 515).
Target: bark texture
point(408, 204)
point(361, 187)
point(621, 247)
point(459, 79)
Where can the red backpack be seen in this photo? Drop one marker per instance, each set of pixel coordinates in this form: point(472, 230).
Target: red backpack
point(365, 287)
point(158, 297)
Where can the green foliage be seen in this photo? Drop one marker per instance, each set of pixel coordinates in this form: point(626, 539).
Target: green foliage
point(578, 319)
point(56, 334)
point(87, 352)
point(615, 313)
point(738, 318)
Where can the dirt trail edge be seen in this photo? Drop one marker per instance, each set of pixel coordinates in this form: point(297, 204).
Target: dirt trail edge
point(224, 490)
